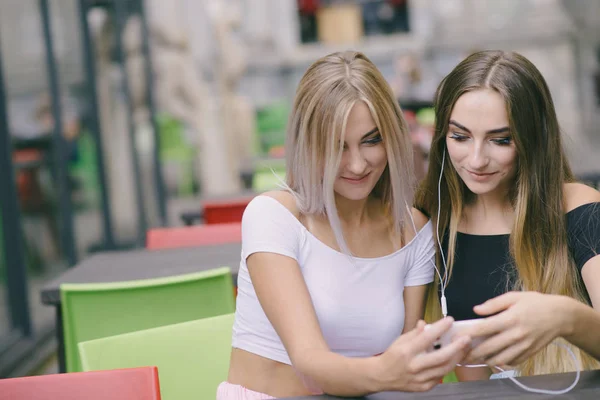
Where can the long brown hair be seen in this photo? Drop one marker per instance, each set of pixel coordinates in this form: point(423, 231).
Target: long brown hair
point(541, 255)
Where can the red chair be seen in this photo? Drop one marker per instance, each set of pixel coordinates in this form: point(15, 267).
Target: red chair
point(190, 236)
point(27, 178)
point(119, 384)
point(218, 212)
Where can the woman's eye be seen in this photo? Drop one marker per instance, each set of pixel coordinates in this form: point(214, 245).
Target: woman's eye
point(373, 140)
point(458, 137)
point(502, 141)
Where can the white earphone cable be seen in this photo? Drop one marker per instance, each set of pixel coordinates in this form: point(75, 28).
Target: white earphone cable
point(443, 281)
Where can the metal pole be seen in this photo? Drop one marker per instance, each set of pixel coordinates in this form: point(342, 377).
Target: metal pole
point(158, 176)
point(121, 17)
point(60, 157)
point(90, 70)
point(12, 234)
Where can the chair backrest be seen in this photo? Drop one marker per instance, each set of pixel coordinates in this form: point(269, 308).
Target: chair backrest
point(219, 212)
point(192, 357)
point(190, 236)
point(122, 384)
point(92, 311)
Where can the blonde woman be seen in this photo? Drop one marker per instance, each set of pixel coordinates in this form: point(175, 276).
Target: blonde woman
point(511, 217)
point(334, 269)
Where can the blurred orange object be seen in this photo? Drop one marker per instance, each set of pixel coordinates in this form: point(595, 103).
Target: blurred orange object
point(190, 236)
point(119, 384)
point(340, 23)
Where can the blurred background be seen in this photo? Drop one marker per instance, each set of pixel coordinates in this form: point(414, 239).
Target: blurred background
point(121, 115)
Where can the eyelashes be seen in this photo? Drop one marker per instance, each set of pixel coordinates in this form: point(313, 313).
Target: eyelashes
point(499, 141)
point(374, 140)
point(457, 137)
point(503, 141)
point(369, 142)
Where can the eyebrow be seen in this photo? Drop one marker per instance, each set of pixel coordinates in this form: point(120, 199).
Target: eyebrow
point(372, 131)
point(491, 131)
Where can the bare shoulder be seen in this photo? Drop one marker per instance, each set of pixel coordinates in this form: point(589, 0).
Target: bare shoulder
point(419, 218)
point(286, 199)
point(577, 194)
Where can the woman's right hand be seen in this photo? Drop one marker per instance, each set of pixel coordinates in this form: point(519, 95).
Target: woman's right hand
point(408, 366)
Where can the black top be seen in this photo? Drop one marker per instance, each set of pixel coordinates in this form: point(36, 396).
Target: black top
point(483, 267)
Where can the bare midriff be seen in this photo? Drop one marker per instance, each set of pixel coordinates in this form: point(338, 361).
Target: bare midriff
point(264, 375)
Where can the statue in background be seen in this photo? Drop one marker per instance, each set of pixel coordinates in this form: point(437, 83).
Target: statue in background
point(182, 92)
point(237, 113)
point(113, 122)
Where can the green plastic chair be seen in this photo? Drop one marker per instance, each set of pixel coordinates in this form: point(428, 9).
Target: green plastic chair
point(192, 357)
point(93, 311)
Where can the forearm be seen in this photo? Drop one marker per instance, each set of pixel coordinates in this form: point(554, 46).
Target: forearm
point(581, 326)
point(338, 375)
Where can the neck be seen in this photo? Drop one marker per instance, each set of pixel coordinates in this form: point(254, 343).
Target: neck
point(490, 204)
point(488, 214)
point(352, 212)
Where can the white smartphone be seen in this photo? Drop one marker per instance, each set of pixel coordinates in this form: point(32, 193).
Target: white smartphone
point(457, 327)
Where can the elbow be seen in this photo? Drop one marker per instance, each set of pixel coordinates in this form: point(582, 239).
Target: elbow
point(304, 365)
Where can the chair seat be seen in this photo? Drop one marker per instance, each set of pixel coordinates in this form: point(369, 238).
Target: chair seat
point(192, 357)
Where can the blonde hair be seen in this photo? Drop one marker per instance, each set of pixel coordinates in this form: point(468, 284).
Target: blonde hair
point(315, 136)
point(541, 256)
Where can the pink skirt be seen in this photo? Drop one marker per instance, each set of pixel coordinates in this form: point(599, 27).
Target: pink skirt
point(229, 391)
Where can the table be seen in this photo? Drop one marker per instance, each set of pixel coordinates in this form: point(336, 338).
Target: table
point(120, 266)
point(587, 388)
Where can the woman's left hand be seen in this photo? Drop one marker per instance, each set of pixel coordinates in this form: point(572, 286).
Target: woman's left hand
point(525, 323)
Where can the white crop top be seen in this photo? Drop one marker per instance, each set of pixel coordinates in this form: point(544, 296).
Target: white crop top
point(360, 305)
